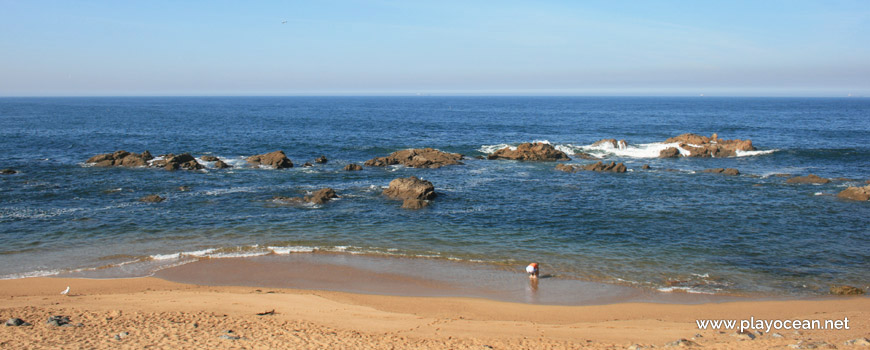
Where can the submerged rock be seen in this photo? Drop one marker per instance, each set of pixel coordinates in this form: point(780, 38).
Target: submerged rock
point(152, 199)
point(209, 158)
point(307, 164)
point(353, 167)
point(566, 168)
point(320, 196)
point(414, 204)
point(418, 158)
point(856, 193)
point(613, 167)
point(277, 160)
point(121, 158)
point(8, 172)
point(646, 167)
point(410, 188)
point(724, 171)
point(321, 160)
point(809, 179)
point(221, 165)
point(846, 290)
point(538, 151)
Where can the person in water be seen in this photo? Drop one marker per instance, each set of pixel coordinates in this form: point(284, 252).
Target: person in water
point(532, 269)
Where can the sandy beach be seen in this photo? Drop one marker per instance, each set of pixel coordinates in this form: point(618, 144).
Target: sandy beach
point(157, 313)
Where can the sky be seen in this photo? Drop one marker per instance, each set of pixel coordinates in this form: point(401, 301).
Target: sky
point(380, 47)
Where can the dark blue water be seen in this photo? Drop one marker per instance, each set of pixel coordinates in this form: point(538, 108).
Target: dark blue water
point(652, 228)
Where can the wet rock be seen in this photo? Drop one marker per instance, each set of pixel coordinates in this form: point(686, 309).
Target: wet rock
point(670, 152)
point(321, 160)
point(846, 290)
point(16, 322)
point(410, 188)
point(307, 164)
point(702, 146)
point(8, 172)
point(612, 167)
point(209, 158)
point(681, 343)
point(809, 179)
point(610, 142)
point(724, 171)
point(175, 162)
point(479, 157)
point(858, 342)
point(320, 196)
point(855, 193)
point(277, 160)
point(152, 199)
point(537, 151)
point(183, 188)
point(121, 158)
point(646, 167)
point(353, 167)
point(417, 158)
point(58, 321)
point(566, 168)
point(414, 203)
point(221, 165)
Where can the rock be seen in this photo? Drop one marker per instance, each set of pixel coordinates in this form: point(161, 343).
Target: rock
point(121, 335)
point(320, 196)
point(221, 165)
point(307, 164)
point(479, 157)
point(121, 158)
point(277, 160)
point(566, 168)
point(8, 172)
point(209, 158)
point(856, 193)
point(636, 347)
point(183, 188)
point(781, 175)
point(321, 160)
point(743, 335)
point(16, 322)
point(230, 335)
point(353, 167)
point(814, 345)
point(681, 343)
point(601, 167)
point(418, 158)
point(537, 151)
point(854, 342)
point(670, 152)
point(58, 321)
point(702, 146)
point(152, 199)
point(410, 188)
point(182, 161)
point(645, 167)
point(728, 171)
point(611, 142)
point(846, 290)
point(414, 203)
point(809, 179)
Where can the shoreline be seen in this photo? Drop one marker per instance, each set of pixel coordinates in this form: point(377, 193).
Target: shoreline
point(160, 313)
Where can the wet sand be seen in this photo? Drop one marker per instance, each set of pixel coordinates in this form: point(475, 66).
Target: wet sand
point(157, 313)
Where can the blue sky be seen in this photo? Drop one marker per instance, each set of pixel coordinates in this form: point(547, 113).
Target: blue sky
point(747, 48)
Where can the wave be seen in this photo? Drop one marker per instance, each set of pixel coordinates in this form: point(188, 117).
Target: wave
point(621, 149)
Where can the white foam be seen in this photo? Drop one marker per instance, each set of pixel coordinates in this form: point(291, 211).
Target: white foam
point(174, 256)
point(819, 193)
point(621, 149)
point(38, 273)
point(489, 149)
point(291, 249)
point(682, 290)
point(754, 153)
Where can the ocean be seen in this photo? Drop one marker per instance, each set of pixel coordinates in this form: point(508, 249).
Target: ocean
point(669, 228)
